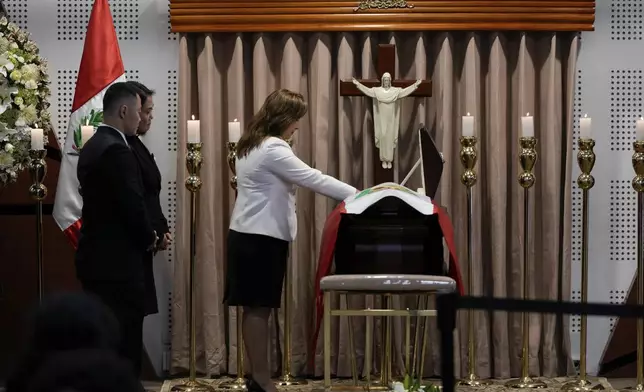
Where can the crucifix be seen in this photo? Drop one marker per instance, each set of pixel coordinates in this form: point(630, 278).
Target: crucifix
point(385, 98)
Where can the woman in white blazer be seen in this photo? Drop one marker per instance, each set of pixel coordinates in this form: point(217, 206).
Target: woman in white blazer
point(263, 222)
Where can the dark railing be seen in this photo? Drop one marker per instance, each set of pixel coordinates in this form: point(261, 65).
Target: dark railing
point(447, 305)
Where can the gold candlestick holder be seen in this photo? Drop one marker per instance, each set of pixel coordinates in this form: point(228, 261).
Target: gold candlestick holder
point(239, 383)
point(194, 161)
point(287, 379)
point(527, 160)
point(468, 178)
point(638, 185)
point(585, 181)
point(38, 191)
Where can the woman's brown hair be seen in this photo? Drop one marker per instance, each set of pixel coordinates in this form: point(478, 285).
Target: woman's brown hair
point(281, 109)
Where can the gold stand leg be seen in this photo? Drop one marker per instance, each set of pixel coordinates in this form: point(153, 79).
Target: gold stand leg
point(287, 378)
point(638, 186)
point(194, 161)
point(527, 159)
point(468, 178)
point(239, 383)
point(38, 191)
point(423, 350)
point(327, 341)
point(585, 181)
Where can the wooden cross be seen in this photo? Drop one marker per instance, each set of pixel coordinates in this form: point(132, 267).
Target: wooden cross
point(386, 63)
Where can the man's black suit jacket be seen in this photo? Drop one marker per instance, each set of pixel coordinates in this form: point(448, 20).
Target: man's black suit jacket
point(151, 177)
point(116, 230)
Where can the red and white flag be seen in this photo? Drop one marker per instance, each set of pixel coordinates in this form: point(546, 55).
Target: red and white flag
point(101, 65)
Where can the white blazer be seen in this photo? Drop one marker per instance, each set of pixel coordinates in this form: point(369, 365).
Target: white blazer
point(266, 180)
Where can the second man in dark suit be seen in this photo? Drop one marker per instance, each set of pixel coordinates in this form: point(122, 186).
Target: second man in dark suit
point(152, 190)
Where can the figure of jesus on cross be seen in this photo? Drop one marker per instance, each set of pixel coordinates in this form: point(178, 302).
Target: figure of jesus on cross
point(386, 94)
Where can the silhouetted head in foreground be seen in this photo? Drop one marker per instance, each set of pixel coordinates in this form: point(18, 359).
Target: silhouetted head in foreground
point(64, 322)
point(86, 370)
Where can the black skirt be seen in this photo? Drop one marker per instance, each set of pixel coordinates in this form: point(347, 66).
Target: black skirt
point(255, 270)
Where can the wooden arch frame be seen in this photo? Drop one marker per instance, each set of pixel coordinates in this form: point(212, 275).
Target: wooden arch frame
point(202, 16)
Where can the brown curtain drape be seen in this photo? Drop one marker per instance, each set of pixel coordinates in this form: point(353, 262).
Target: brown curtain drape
point(497, 77)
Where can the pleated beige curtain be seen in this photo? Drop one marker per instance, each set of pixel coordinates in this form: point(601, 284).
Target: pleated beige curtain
point(496, 77)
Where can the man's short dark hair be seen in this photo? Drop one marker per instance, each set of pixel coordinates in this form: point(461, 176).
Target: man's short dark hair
point(116, 95)
point(143, 91)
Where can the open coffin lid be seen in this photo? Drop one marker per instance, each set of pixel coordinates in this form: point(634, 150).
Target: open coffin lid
point(432, 167)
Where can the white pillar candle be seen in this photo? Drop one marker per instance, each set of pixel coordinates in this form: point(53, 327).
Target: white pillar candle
point(234, 131)
point(639, 129)
point(527, 126)
point(468, 126)
point(194, 130)
point(37, 139)
point(87, 131)
point(584, 127)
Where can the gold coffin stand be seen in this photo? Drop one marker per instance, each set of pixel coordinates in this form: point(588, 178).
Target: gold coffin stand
point(414, 361)
point(236, 16)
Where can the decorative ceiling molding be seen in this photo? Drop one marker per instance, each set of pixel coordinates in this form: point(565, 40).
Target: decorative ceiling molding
point(200, 16)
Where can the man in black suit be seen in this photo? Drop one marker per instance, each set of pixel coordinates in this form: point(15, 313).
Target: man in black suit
point(116, 232)
point(151, 189)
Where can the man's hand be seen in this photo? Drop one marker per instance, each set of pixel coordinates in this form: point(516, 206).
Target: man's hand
point(154, 244)
point(165, 242)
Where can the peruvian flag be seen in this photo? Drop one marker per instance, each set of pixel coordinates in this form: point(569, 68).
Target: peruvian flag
point(357, 205)
point(101, 65)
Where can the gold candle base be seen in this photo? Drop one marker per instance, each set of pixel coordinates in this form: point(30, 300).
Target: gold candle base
point(526, 383)
point(38, 192)
point(469, 157)
point(580, 385)
point(239, 383)
point(194, 160)
point(638, 185)
point(288, 380)
point(193, 386)
point(585, 181)
point(527, 160)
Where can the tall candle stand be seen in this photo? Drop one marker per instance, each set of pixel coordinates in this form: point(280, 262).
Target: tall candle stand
point(585, 181)
point(38, 191)
point(527, 160)
point(194, 161)
point(638, 185)
point(239, 383)
point(287, 379)
point(468, 178)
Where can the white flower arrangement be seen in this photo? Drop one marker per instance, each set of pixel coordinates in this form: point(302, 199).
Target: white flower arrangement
point(24, 93)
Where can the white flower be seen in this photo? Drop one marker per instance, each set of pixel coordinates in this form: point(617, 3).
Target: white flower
point(13, 45)
point(16, 75)
point(29, 114)
point(6, 160)
point(8, 147)
point(31, 84)
point(6, 92)
point(398, 387)
point(5, 65)
point(30, 72)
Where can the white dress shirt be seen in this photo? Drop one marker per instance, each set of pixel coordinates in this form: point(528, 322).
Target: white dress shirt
point(266, 180)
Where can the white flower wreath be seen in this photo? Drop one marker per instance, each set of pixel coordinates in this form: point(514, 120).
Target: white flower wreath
point(24, 93)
